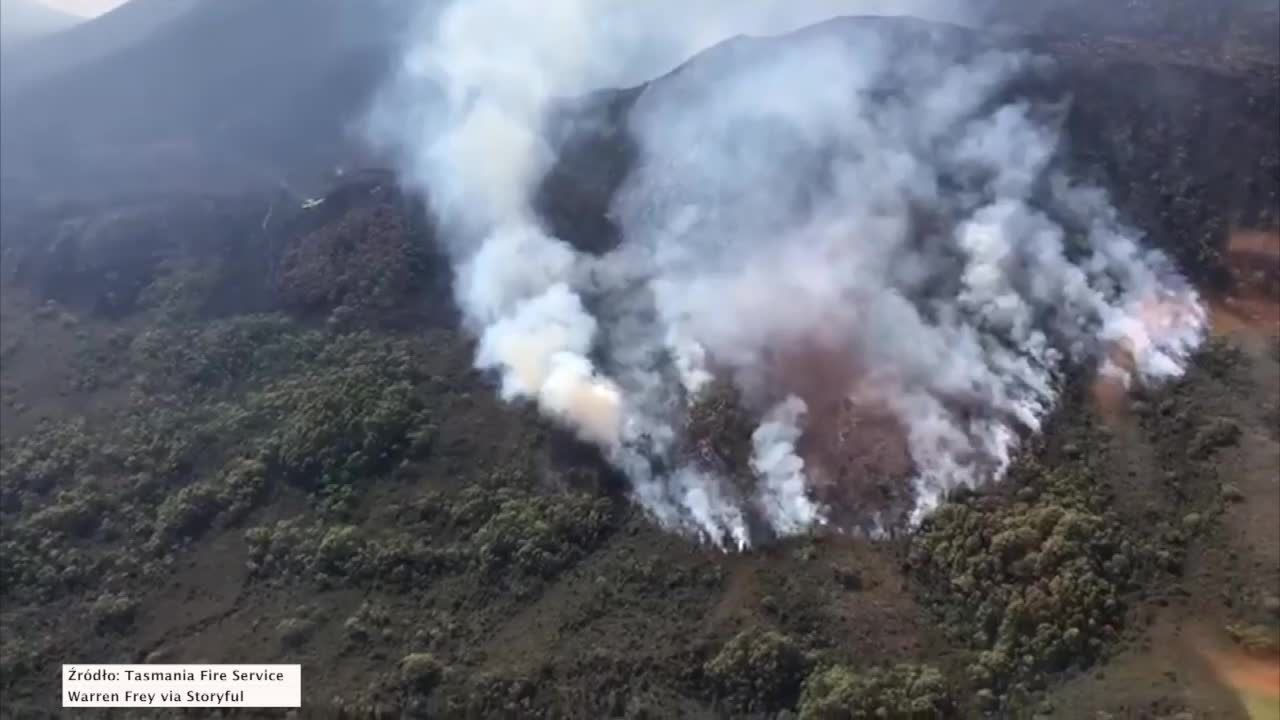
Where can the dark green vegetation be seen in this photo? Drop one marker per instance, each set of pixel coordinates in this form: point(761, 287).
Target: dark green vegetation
point(237, 430)
point(901, 691)
point(284, 487)
point(1036, 580)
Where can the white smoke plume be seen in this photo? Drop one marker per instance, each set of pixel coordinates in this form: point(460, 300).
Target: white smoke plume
point(850, 224)
point(784, 493)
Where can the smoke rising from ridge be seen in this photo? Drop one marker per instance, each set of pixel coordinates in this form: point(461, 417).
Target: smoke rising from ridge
point(851, 224)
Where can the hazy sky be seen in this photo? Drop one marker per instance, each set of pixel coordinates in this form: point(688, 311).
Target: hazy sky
point(86, 8)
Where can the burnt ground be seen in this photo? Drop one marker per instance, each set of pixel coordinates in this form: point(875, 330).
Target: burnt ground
point(235, 429)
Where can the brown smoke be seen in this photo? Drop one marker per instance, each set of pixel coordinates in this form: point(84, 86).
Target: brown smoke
point(854, 447)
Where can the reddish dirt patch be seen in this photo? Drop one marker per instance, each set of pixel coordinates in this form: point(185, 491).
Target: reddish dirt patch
point(854, 446)
point(1252, 307)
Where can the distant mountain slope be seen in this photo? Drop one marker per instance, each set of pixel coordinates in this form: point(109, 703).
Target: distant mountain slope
point(86, 42)
point(1229, 26)
point(1183, 138)
point(24, 20)
point(227, 93)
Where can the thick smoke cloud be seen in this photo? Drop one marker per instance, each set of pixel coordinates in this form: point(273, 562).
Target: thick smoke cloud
point(849, 224)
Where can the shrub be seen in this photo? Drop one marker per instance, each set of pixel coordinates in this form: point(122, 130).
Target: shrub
point(1257, 639)
point(758, 670)
point(39, 568)
point(214, 355)
point(539, 535)
point(514, 539)
point(904, 692)
point(181, 291)
point(20, 656)
point(1216, 434)
point(292, 548)
point(294, 631)
point(284, 548)
point(113, 611)
point(75, 512)
point(52, 454)
point(493, 695)
point(241, 486)
point(364, 261)
point(420, 672)
point(345, 418)
point(340, 551)
point(193, 509)
point(1036, 585)
point(364, 621)
point(187, 512)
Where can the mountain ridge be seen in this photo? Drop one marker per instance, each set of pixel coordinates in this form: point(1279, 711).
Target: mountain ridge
point(22, 21)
